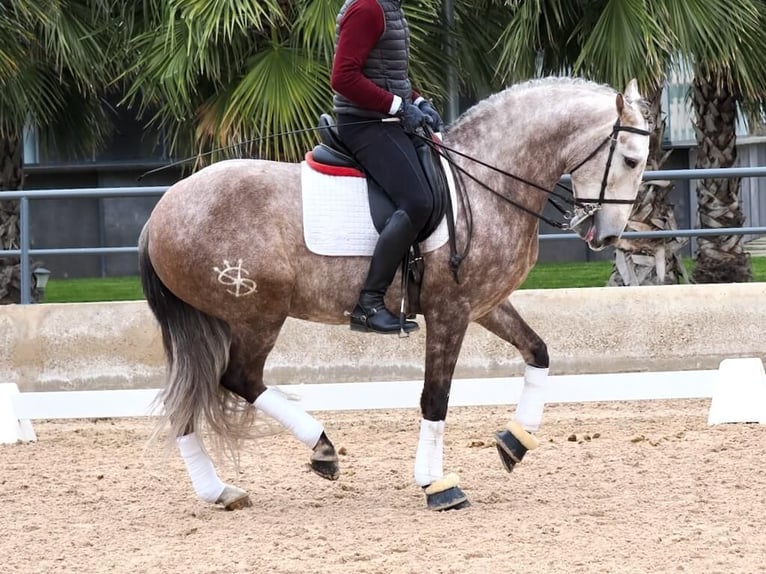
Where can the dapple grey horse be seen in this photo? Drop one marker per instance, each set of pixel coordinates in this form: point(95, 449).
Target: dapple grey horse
point(241, 220)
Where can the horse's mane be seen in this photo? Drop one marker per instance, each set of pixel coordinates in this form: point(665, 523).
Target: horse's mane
point(559, 80)
point(551, 81)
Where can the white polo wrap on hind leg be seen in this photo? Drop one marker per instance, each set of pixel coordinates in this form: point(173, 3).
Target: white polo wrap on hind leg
point(301, 424)
point(429, 457)
point(529, 410)
point(204, 478)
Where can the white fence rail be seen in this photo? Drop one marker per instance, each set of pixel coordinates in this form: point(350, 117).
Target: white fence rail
point(737, 390)
point(17, 409)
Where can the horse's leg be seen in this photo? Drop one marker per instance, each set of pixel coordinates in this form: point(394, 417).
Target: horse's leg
point(205, 480)
point(244, 377)
point(208, 486)
point(513, 442)
point(443, 340)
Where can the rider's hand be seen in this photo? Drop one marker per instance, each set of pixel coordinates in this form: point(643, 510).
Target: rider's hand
point(412, 117)
point(436, 120)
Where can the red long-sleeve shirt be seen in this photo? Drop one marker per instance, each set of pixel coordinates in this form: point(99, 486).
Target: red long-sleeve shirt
point(361, 27)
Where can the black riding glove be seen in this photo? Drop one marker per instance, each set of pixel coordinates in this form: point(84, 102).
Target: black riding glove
point(412, 117)
point(436, 120)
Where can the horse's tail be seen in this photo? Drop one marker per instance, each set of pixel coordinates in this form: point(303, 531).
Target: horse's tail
point(197, 350)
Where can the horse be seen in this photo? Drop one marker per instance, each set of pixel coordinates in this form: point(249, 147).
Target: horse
point(223, 264)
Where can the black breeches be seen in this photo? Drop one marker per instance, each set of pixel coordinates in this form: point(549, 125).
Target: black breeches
point(388, 155)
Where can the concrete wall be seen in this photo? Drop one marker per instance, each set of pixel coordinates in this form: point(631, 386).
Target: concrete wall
point(117, 345)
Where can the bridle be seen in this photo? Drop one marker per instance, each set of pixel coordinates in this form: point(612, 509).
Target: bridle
point(591, 207)
point(588, 207)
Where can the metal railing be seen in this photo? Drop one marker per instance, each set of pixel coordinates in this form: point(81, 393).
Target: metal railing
point(25, 252)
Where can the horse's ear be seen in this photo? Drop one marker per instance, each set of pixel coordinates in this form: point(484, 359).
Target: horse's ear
point(631, 94)
point(620, 104)
point(631, 91)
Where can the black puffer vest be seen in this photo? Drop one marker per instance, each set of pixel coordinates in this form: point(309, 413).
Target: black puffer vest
point(388, 62)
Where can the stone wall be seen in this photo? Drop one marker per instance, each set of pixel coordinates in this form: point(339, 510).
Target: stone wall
point(602, 330)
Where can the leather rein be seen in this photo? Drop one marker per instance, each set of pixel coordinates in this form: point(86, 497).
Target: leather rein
point(589, 206)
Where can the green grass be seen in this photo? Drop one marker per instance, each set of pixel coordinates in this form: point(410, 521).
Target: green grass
point(542, 276)
point(563, 275)
point(93, 289)
point(596, 274)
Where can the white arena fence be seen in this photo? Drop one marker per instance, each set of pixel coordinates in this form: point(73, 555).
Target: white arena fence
point(737, 390)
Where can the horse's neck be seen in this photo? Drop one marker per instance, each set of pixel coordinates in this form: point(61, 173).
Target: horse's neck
point(531, 142)
point(531, 137)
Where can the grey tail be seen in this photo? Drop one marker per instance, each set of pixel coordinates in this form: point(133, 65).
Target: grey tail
point(197, 351)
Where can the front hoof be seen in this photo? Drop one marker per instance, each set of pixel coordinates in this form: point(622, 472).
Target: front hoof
point(328, 469)
point(233, 498)
point(324, 459)
point(445, 494)
point(513, 444)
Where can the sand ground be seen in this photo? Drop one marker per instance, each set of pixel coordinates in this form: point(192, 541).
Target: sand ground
point(642, 487)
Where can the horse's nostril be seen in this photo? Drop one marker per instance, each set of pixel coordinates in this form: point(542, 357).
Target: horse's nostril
point(610, 240)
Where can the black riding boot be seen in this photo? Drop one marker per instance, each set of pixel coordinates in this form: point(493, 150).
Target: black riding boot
point(370, 313)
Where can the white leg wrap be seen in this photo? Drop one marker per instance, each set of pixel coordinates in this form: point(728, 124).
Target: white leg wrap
point(529, 410)
point(205, 480)
point(429, 458)
point(303, 426)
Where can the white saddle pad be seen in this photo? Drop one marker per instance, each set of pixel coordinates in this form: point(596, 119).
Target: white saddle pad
point(336, 214)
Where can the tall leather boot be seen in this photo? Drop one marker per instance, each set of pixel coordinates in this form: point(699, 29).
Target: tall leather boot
point(370, 313)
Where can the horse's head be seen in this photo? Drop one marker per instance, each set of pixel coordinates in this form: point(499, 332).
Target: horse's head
point(606, 181)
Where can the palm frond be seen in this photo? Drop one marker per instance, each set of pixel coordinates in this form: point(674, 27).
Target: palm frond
point(429, 58)
point(478, 25)
point(314, 28)
point(537, 38)
point(60, 63)
point(216, 20)
point(625, 42)
point(278, 99)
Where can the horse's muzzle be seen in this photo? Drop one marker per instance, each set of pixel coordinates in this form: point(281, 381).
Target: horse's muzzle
point(597, 240)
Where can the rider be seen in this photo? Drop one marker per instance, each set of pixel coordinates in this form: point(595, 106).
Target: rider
point(371, 82)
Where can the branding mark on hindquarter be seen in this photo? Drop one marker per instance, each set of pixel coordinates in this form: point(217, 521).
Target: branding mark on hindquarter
point(232, 277)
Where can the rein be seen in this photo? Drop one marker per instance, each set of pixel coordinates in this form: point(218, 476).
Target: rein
point(588, 206)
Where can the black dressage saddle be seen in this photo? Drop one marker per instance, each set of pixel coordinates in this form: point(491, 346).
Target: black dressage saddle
point(332, 151)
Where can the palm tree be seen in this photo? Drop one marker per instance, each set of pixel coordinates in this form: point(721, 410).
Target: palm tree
point(251, 78)
point(53, 64)
point(610, 41)
point(723, 84)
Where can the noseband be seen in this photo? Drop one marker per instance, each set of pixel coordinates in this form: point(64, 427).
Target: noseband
point(591, 207)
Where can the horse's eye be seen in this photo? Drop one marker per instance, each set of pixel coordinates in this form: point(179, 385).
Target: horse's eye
point(630, 162)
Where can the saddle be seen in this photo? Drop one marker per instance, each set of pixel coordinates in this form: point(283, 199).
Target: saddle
point(331, 151)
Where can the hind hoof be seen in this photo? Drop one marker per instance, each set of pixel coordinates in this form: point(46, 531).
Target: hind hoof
point(445, 494)
point(326, 469)
point(233, 498)
point(513, 444)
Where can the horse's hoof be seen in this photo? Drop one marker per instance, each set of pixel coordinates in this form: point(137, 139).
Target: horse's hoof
point(445, 494)
point(233, 498)
point(512, 444)
point(328, 469)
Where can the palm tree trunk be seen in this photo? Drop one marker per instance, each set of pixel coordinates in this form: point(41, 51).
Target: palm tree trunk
point(11, 178)
point(722, 258)
point(651, 261)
